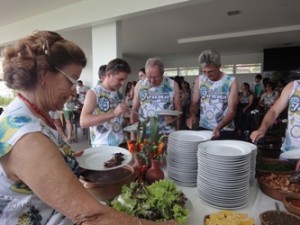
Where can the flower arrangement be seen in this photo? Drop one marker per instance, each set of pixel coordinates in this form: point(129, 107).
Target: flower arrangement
point(148, 147)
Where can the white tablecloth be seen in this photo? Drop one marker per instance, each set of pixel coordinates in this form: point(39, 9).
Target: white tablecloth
point(258, 202)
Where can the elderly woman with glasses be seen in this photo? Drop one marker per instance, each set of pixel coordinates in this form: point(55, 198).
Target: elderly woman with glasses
point(38, 183)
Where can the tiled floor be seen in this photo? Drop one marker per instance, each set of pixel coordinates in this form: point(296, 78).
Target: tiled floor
point(82, 142)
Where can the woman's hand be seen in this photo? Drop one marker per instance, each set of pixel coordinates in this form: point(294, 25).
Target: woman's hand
point(190, 122)
point(216, 133)
point(298, 165)
point(78, 153)
point(256, 135)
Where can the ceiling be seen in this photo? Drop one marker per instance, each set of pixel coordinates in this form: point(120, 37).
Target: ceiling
point(260, 24)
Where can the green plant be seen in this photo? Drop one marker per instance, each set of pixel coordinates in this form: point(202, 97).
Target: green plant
point(149, 143)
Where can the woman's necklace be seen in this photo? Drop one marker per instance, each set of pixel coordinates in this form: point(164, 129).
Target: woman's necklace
point(37, 110)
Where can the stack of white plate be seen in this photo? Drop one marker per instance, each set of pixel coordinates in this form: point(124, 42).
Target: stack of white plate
point(182, 150)
point(253, 162)
point(224, 172)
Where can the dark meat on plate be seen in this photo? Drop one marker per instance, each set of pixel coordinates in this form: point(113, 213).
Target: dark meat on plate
point(116, 160)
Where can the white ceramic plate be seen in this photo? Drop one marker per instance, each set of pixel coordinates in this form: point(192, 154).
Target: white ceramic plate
point(225, 148)
point(186, 136)
point(94, 158)
point(131, 128)
point(292, 154)
point(168, 113)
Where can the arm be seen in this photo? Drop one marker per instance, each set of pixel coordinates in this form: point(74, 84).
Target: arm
point(273, 113)
point(177, 104)
point(61, 190)
point(51, 180)
point(261, 100)
point(87, 118)
point(298, 165)
point(233, 100)
point(194, 104)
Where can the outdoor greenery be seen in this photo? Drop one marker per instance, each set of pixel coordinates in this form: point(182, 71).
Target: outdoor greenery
point(4, 101)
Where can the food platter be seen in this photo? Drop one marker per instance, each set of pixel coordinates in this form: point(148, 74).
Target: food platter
point(94, 158)
point(277, 185)
point(168, 113)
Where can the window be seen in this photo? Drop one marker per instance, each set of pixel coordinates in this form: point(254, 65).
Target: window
point(171, 72)
point(188, 71)
point(248, 68)
point(228, 69)
point(6, 94)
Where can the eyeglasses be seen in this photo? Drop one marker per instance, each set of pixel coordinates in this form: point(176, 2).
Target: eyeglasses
point(70, 79)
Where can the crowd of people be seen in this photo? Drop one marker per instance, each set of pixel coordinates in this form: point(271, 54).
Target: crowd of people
point(39, 172)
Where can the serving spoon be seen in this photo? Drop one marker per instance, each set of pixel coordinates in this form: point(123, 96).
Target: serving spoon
point(295, 177)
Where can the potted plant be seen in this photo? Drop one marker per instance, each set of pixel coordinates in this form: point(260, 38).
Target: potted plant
point(149, 149)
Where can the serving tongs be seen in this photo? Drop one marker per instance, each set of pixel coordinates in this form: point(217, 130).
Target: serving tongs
point(295, 177)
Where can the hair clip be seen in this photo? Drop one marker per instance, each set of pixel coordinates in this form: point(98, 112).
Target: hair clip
point(46, 47)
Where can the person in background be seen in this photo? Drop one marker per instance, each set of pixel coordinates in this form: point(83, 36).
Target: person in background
point(58, 124)
point(279, 86)
point(133, 83)
point(1, 110)
point(101, 73)
point(156, 93)
point(289, 99)
point(142, 74)
point(245, 106)
point(39, 175)
point(69, 108)
point(269, 97)
point(81, 91)
point(127, 93)
point(217, 95)
point(257, 88)
point(128, 99)
point(185, 99)
point(104, 106)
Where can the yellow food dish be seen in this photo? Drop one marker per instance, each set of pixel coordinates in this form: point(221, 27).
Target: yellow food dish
point(226, 217)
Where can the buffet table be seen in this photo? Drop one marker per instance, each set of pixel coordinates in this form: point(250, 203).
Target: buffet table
point(258, 202)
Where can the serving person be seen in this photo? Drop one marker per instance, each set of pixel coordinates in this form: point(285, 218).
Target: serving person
point(217, 95)
point(156, 93)
point(290, 97)
point(38, 184)
point(104, 106)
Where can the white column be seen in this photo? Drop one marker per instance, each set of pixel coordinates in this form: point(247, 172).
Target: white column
point(106, 45)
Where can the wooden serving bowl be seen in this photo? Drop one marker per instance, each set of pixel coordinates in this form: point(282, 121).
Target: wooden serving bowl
point(288, 204)
point(272, 217)
point(106, 185)
point(275, 192)
point(269, 165)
